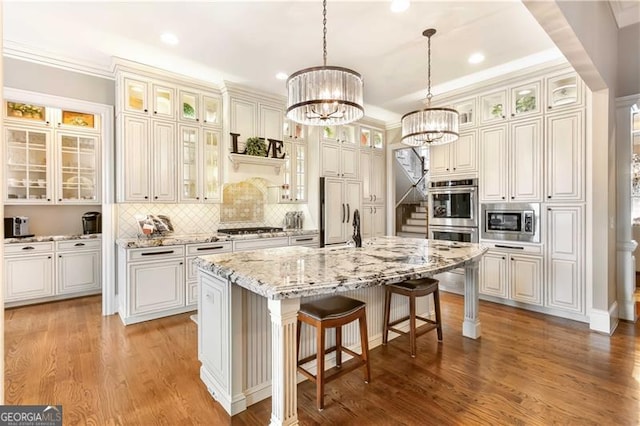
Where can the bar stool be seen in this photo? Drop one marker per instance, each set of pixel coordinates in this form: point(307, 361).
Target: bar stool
point(332, 312)
point(412, 289)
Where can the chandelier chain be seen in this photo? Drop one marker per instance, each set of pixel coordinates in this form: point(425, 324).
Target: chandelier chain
point(324, 31)
point(429, 95)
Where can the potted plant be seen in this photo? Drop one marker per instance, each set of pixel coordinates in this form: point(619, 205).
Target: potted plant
point(256, 147)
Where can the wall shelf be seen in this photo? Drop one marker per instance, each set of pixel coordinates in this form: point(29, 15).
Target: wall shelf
point(237, 159)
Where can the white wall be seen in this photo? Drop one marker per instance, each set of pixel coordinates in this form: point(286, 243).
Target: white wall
point(628, 60)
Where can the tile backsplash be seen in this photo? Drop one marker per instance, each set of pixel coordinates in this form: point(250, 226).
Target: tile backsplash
point(244, 205)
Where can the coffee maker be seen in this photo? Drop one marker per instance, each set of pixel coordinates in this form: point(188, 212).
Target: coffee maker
point(92, 223)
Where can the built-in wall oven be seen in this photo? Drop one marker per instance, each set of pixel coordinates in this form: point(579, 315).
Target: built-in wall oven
point(511, 221)
point(453, 203)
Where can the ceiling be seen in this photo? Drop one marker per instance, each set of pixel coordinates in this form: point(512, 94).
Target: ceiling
point(249, 42)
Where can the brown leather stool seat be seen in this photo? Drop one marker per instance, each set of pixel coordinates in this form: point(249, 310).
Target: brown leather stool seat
point(333, 312)
point(412, 289)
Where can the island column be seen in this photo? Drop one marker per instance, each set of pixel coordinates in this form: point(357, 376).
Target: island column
point(284, 393)
point(471, 325)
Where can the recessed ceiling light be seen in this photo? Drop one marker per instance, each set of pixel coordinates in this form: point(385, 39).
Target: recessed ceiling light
point(282, 76)
point(398, 6)
point(169, 39)
point(476, 58)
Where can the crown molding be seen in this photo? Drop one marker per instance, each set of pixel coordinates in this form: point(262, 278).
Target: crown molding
point(39, 56)
point(625, 13)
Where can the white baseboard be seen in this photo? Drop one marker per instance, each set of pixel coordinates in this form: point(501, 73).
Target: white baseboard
point(604, 321)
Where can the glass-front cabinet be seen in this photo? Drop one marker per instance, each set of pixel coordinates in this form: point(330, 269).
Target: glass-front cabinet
point(200, 151)
point(345, 134)
point(135, 99)
point(493, 107)
point(467, 112)
point(292, 130)
point(189, 107)
point(294, 188)
point(28, 166)
point(149, 98)
point(27, 113)
point(211, 110)
point(163, 101)
point(77, 176)
point(525, 99)
point(563, 91)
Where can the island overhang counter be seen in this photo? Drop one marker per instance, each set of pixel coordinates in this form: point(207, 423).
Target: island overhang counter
point(234, 286)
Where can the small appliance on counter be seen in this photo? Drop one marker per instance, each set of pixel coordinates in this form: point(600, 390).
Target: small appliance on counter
point(16, 227)
point(92, 223)
point(293, 220)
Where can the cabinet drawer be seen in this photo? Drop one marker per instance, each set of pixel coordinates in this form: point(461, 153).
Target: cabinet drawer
point(260, 244)
point(93, 244)
point(209, 248)
point(514, 247)
point(155, 253)
point(27, 248)
point(305, 240)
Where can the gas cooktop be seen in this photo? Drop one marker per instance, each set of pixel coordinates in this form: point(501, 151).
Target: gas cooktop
point(257, 230)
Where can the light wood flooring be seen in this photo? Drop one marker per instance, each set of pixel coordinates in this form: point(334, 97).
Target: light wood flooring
point(526, 369)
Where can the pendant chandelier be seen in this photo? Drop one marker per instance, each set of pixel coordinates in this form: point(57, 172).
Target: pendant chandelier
point(324, 95)
point(430, 126)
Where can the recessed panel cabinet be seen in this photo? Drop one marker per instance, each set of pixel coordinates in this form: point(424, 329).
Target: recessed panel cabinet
point(516, 277)
point(28, 277)
point(339, 160)
point(565, 157)
point(251, 118)
point(455, 159)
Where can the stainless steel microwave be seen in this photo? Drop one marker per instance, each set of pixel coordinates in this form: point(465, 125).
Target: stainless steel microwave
point(511, 221)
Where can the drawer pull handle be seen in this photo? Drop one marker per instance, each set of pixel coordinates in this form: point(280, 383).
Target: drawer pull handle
point(28, 248)
point(79, 244)
point(304, 239)
point(156, 253)
point(210, 248)
point(509, 247)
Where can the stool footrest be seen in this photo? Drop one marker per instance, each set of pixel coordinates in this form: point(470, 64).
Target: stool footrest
point(335, 372)
point(315, 356)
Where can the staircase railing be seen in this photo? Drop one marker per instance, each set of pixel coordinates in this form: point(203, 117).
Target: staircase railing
point(415, 187)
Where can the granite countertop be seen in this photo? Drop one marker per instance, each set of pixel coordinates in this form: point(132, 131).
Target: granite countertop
point(301, 271)
point(171, 240)
point(46, 238)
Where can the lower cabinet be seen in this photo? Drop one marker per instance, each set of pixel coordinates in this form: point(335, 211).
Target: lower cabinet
point(373, 221)
point(507, 274)
point(193, 251)
point(40, 272)
point(28, 272)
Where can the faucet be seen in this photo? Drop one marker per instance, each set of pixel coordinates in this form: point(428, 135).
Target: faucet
point(356, 228)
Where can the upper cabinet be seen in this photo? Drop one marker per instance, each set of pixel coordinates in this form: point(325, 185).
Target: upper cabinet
point(522, 100)
point(292, 130)
point(53, 155)
point(467, 113)
point(148, 97)
point(340, 134)
point(199, 107)
point(371, 138)
point(252, 118)
point(564, 91)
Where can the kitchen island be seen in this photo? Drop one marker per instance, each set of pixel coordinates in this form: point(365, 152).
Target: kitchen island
point(246, 358)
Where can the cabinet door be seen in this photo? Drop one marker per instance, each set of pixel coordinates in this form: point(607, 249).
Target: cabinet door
point(28, 277)
point(493, 163)
point(365, 168)
point(214, 303)
point(271, 119)
point(353, 200)
point(211, 165)
point(164, 101)
point(349, 161)
point(565, 157)
point(244, 118)
point(564, 91)
point(439, 159)
point(379, 221)
point(189, 106)
point(211, 110)
point(330, 159)
point(135, 146)
point(525, 276)
point(300, 172)
point(526, 100)
point(367, 221)
point(28, 171)
point(156, 286)
point(493, 107)
point(79, 272)
point(335, 211)
point(77, 171)
point(163, 154)
point(493, 274)
point(464, 154)
point(564, 237)
point(378, 177)
point(135, 96)
point(526, 161)
point(189, 143)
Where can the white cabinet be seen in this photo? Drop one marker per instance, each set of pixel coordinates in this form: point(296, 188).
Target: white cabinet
point(523, 100)
point(193, 251)
point(79, 266)
point(294, 189)
point(339, 160)
point(511, 162)
point(564, 91)
point(342, 198)
point(372, 171)
point(28, 272)
point(146, 97)
point(372, 220)
point(199, 164)
point(253, 118)
point(148, 164)
point(565, 253)
point(507, 274)
point(197, 107)
point(565, 157)
point(151, 283)
point(455, 159)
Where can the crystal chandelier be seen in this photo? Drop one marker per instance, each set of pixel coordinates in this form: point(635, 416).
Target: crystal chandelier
point(324, 95)
point(430, 126)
